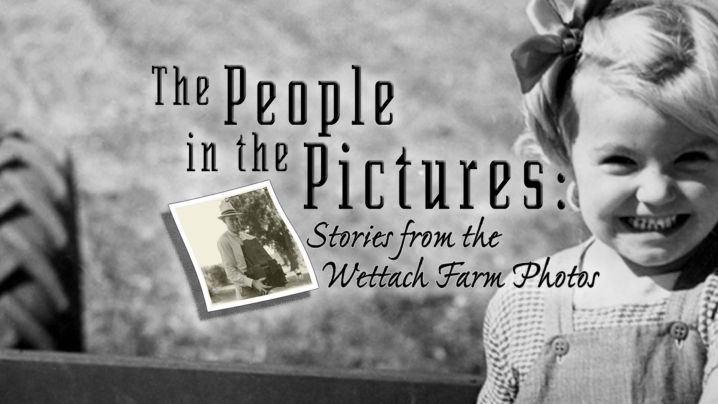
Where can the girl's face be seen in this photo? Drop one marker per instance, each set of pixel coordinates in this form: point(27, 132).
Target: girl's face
point(647, 185)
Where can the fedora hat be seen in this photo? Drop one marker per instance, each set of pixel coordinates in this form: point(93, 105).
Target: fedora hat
point(227, 210)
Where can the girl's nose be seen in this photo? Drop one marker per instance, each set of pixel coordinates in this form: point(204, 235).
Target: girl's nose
point(655, 188)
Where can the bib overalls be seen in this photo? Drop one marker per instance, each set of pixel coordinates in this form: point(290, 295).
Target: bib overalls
point(654, 363)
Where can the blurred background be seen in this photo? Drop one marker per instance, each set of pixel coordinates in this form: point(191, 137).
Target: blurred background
point(77, 75)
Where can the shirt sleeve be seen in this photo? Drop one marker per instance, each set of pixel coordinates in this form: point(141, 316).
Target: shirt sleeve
point(234, 265)
point(708, 327)
point(710, 381)
point(500, 385)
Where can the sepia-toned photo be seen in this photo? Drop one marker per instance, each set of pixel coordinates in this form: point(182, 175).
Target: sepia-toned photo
point(243, 248)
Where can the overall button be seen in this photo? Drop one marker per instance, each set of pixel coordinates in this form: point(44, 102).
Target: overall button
point(560, 346)
point(679, 330)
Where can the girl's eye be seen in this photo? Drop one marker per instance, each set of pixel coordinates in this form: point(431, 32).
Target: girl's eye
point(618, 164)
point(693, 157)
point(623, 160)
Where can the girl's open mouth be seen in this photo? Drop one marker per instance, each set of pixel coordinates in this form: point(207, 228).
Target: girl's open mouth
point(663, 224)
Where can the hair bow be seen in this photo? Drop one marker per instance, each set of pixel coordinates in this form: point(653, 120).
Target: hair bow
point(560, 31)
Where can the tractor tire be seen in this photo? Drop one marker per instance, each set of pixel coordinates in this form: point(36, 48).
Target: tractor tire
point(39, 252)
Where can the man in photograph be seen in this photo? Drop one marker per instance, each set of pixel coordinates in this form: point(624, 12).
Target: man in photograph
point(233, 259)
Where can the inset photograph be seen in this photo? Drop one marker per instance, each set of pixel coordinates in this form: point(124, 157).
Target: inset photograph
point(243, 248)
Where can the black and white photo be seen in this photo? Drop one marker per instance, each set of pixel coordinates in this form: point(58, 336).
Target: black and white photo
point(242, 247)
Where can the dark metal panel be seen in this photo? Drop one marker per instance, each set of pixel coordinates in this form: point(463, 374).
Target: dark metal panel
point(51, 377)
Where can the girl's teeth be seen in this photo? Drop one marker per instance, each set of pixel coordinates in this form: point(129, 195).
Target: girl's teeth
point(653, 223)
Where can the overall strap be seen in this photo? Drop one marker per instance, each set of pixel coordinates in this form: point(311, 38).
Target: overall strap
point(684, 305)
point(558, 312)
point(558, 309)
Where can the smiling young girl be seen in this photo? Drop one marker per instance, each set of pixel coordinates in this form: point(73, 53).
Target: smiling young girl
point(622, 95)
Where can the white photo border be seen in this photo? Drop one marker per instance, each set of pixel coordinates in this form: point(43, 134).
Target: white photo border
point(198, 269)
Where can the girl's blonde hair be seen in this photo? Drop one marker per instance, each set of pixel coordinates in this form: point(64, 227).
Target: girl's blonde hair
point(661, 52)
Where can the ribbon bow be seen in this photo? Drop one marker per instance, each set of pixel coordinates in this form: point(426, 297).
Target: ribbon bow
point(560, 31)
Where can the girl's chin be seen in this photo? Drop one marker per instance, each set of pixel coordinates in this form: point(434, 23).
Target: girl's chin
point(653, 260)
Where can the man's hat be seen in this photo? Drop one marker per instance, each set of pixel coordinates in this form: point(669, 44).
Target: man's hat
point(227, 210)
